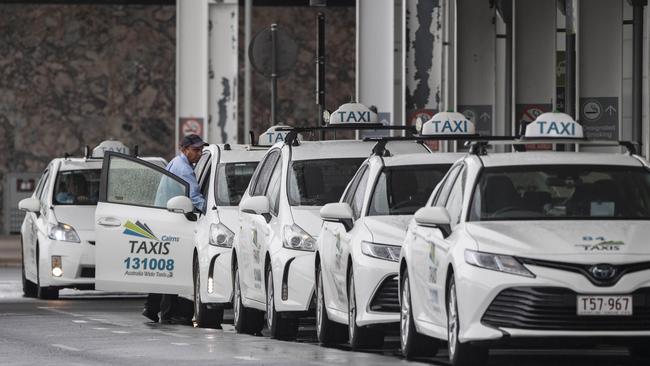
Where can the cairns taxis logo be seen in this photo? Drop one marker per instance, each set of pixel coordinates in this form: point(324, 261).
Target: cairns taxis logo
point(148, 243)
point(139, 229)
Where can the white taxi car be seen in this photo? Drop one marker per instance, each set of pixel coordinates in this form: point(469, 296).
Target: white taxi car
point(359, 243)
point(273, 255)
point(223, 173)
point(151, 239)
point(530, 246)
point(57, 234)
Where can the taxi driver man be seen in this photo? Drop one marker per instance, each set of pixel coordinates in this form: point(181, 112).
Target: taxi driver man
point(181, 166)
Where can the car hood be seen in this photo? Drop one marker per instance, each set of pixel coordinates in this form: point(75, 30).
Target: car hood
point(81, 218)
point(308, 218)
point(589, 241)
point(388, 229)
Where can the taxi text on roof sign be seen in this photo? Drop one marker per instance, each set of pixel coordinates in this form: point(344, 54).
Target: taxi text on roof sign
point(448, 123)
point(271, 136)
point(349, 113)
point(109, 145)
point(554, 125)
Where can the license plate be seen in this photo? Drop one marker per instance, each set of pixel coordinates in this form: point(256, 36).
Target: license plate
point(605, 305)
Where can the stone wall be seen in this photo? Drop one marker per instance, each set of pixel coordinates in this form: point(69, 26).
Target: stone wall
point(296, 91)
point(74, 75)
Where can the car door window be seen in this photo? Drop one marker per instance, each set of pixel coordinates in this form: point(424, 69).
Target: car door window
point(202, 167)
point(43, 193)
point(359, 195)
point(273, 191)
point(353, 185)
point(264, 175)
point(454, 204)
point(132, 181)
point(445, 189)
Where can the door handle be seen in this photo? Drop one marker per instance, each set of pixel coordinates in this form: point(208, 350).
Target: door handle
point(109, 221)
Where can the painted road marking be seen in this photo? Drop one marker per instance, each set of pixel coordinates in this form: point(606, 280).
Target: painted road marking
point(67, 348)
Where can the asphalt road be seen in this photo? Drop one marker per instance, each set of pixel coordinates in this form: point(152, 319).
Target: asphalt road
point(93, 328)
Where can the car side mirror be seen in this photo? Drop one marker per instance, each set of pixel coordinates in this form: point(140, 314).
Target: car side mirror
point(340, 212)
point(30, 204)
point(436, 217)
point(256, 205)
point(180, 204)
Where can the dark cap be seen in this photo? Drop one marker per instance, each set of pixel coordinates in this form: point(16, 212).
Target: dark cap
point(193, 140)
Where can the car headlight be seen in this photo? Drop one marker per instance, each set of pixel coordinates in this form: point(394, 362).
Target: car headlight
point(381, 251)
point(63, 232)
point(497, 262)
point(297, 238)
point(221, 236)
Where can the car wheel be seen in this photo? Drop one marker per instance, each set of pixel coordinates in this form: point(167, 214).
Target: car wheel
point(248, 321)
point(327, 331)
point(43, 293)
point(29, 287)
point(413, 344)
point(460, 354)
point(360, 337)
point(279, 325)
point(204, 317)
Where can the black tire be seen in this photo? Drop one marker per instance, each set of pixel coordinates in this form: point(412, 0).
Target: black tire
point(43, 293)
point(460, 354)
point(247, 321)
point(327, 331)
point(280, 326)
point(29, 287)
point(413, 344)
point(204, 317)
point(360, 337)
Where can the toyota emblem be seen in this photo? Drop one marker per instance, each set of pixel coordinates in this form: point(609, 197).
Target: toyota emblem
point(603, 272)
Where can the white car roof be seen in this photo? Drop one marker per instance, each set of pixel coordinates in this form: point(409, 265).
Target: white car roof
point(557, 158)
point(308, 150)
point(421, 159)
point(241, 153)
point(83, 163)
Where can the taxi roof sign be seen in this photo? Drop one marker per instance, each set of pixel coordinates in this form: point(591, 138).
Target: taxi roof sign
point(109, 145)
point(277, 133)
point(448, 123)
point(353, 113)
point(554, 125)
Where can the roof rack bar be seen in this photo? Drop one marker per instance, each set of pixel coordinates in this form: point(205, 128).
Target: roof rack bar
point(294, 131)
point(479, 147)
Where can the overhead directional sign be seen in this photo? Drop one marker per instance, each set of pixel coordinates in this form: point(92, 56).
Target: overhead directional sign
point(599, 117)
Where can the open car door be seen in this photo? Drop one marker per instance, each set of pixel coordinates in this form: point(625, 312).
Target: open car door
point(141, 246)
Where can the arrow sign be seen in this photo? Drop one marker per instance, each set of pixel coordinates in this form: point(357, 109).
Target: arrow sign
point(611, 110)
point(484, 117)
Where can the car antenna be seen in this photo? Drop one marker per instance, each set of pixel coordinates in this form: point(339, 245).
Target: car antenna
point(87, 152)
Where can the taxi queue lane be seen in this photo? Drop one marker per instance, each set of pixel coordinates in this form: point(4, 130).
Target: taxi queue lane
point(94, 328)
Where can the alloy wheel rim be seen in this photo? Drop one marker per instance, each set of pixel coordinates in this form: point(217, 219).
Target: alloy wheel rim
point(352, 310)
point(405, 314)
point(237, 301)
point(452, 318)
point(197, 295)
point(319, 304)
point(269, 302)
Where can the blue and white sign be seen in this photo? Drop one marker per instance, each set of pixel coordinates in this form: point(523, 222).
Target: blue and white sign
point(109, 145)
point(353, 113)
point(554, 125)
point(448, 123)
point(271, 136)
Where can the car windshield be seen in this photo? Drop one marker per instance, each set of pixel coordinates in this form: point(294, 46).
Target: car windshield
point(317, 182)
point(562, 192)
point(77, 187)
point(231, 182)
point(403, 190)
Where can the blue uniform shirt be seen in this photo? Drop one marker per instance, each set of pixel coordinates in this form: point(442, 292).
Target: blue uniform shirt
point(182, 168)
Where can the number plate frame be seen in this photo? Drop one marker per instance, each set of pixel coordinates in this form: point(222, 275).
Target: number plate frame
point(604, 305)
